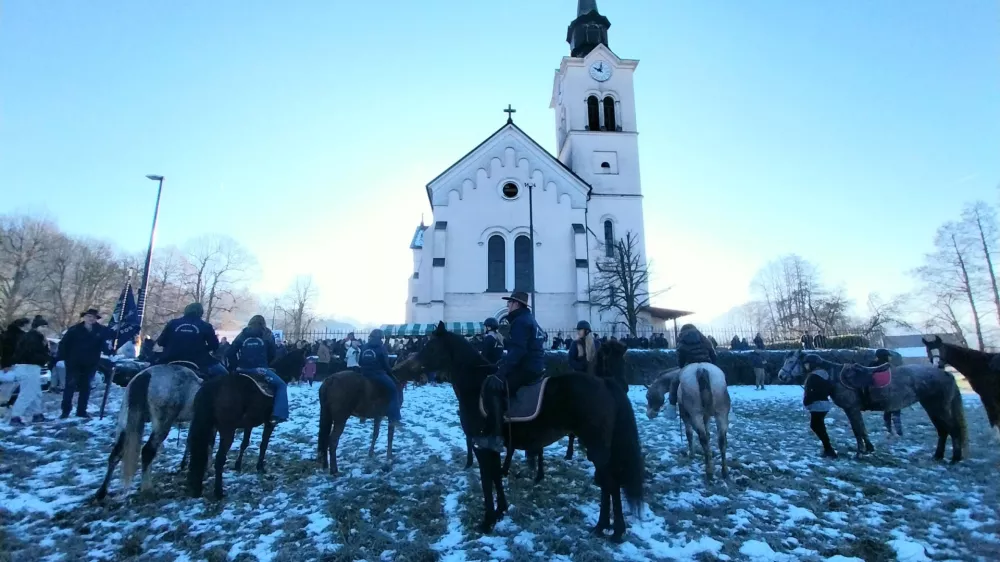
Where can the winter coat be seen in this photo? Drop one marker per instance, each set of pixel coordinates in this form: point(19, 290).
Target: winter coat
point(351, 355)
point(693, 347)
point(188, 338)
point(491, 348)
point(757, 360)
point(758, 342)
point(81, 348)
point(32, 349)
point(578, 358)
point(253, 349)
point(374, 360)
point(815, 396)
point(8, 344)
point(323, 354)
point(523, 345)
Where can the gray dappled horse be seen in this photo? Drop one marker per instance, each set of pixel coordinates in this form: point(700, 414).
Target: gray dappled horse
point(162, 394)
point(851, 389)
point(701, 393)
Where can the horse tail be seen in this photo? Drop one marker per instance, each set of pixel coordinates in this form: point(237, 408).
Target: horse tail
point(325, 424)
point(201, 433)
point(958, 415)
point(626, 453)
point(131, 421)
point(705, 389)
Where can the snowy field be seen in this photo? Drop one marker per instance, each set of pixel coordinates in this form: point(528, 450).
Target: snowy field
point(783, 502)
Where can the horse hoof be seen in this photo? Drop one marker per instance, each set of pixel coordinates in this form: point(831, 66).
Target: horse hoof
point(219, 495)
point(538, 479)
point(371, 453)
point(238, 467)
point(261, 470)
point(486, 527)
point(468, 465)
point(101, 494)
point(569, 456)
point(598, 530)
point(386, 467)
point(617, 538)
point(725, 474)
point(939, 457)
point(334, 473)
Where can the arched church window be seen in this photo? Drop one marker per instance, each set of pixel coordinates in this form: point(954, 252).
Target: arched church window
point(496, 270)
point(609, 114)
point(609, 239)
point(593, 114)
point(524, 277)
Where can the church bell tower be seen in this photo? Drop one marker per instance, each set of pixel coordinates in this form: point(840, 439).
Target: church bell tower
point(588, 30)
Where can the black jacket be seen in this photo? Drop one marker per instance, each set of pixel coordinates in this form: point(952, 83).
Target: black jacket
point(491, 348)
point(81, 348)
point(188, 338)
point(693, 347)
point(32, 349)
point(258, 354)
point(8, 344)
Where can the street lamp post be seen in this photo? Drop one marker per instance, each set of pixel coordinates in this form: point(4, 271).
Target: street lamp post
point(531, 240)
point(141, 305)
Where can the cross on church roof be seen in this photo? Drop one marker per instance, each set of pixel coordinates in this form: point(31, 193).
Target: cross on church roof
point(510, 114)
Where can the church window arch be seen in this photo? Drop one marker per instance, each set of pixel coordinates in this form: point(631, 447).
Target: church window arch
point(496, 264)
point(524, 276)
point(593, 114)
point(609, 114)
point(609, 238)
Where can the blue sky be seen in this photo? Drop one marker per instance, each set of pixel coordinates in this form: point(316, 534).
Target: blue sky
point(844, 132)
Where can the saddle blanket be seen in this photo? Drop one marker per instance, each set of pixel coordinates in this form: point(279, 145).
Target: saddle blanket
point(863, 377)
point(525, 405)
point(260, 380)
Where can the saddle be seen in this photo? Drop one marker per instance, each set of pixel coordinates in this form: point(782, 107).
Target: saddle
point(525, 405)
point(190, 365)
point(258, 379)
point(856, 377)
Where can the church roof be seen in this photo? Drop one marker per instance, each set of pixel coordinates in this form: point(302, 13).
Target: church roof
point(487, 140)
point(418, 238)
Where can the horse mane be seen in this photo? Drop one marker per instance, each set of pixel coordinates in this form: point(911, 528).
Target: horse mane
point(464, 355)
point(980, 360)
point(662, 382)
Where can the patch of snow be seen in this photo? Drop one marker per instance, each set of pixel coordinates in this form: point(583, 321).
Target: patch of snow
point(909, 551)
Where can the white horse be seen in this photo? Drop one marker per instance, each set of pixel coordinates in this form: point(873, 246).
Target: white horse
point(701, 393)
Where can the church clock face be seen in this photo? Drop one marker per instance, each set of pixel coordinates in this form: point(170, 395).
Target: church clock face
point(600, 71)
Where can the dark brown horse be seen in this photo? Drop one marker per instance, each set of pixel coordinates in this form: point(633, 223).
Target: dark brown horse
point(346, 394)
point(225, 404)
point(597, 411)
point(975, 367)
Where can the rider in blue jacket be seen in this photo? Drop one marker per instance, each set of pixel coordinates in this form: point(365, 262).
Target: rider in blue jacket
point(189, 338)
point(492, 346)
point(253, 351)
point(374, 364)
point(522, 365)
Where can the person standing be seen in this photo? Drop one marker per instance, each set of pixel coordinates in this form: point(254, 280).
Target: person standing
point(352, 354)
point(323, 358)
point(759, 375)
point(31, 354)
point(80, 348)
point(758, 342)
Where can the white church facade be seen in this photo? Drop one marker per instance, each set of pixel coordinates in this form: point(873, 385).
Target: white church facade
point(479, 247)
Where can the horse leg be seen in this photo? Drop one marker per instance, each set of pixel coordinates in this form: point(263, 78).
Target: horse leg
point(860, 433)
point(185, 456)
point(226, 437)
point(541, 471)
point(706, 448)
point(501, 497)
point(604, 519)
point(243, 447)
point(689, 431)
point(375, 428)
point(468, 453)
point(722, 426)
point(388, 453)
point(113, 459)
point(338, 430)
point(569, 449)
point(156, 438)
point(619, 528)
point(268, 429)
point(508, 456)
point(486, 466)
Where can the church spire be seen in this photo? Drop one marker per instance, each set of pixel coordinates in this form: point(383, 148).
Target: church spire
point(588, 30)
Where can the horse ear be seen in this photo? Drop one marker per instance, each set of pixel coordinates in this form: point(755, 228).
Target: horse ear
point(937, 339)
point(645, 385)
point(441, 329)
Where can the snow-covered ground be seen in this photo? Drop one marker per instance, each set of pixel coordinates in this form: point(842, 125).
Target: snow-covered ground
point(782, 502)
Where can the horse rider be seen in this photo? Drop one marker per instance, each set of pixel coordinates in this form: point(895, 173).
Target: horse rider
point(191, 339)
point(492, 344)
point(583, 351)
point(692, 347)
point(522, 365)
point(374, 363)
point(252, 351)
point(817, 403)
point(882, 357)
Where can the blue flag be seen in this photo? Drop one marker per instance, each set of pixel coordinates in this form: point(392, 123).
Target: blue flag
point(125, 320)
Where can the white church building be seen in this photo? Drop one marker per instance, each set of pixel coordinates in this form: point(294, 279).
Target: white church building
point(479, 248)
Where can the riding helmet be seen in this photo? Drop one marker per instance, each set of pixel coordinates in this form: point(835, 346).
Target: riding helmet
point(583, 325)
point(491, 324)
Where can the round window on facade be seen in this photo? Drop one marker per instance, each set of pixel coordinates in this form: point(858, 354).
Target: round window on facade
point(509, 190)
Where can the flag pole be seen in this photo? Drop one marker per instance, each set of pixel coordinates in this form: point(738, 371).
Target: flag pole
point(114, 343)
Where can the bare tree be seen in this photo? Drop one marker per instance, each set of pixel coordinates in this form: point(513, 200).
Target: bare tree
point(81, 274)
point(883, 314)
point(794, 300)
point(944, 316)
point(24, 245)
point(980, 220)
point(217, 266)
point(299, 308)
point(949, 271)
point(621, 285)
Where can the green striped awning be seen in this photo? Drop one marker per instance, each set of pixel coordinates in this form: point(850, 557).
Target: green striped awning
point(464, 328)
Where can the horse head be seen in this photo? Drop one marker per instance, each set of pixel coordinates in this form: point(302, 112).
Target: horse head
point(655, 392)
point(792, 367)
point(932, 345)
point(611, 360)
point(409, 369)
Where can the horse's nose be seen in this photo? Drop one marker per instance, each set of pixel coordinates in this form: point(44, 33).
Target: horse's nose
point(651, 413)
